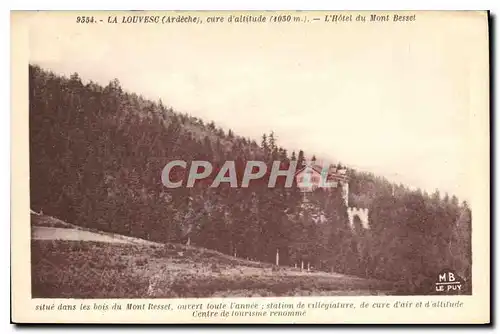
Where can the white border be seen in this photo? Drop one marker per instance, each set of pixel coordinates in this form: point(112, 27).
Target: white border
point(186, 4)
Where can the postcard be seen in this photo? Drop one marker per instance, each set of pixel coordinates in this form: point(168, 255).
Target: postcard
point(260, 167)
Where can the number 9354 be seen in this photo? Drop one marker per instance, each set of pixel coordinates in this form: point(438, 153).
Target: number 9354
point(84, 19)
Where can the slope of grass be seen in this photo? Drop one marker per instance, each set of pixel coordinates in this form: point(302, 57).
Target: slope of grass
point(77, 269)
point(49, 221)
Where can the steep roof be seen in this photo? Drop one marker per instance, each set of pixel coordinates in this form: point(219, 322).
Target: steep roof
point(332, 174)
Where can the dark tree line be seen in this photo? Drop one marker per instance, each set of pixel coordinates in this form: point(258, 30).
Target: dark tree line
point(96, 157)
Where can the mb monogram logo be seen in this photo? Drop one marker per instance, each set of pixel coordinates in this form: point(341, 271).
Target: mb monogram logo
point(449, 282)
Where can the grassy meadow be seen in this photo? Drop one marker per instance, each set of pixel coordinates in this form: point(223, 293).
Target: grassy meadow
point(86, 269)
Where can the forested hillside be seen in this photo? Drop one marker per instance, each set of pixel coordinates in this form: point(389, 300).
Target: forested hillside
point(96, 157)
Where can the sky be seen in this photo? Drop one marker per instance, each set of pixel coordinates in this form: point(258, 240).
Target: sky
point(390, 98)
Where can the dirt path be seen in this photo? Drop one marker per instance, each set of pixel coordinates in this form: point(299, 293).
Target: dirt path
point(56, 233)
